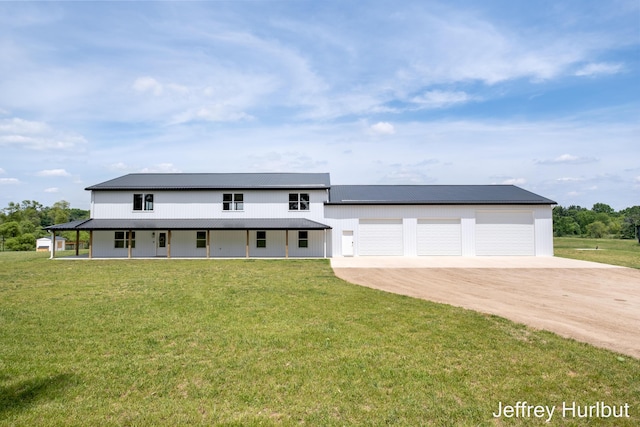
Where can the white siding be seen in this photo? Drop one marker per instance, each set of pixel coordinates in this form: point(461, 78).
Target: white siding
point(206, 204)
point(346, 218)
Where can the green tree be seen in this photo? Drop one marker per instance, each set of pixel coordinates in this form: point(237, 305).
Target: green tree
point(631, 220)
point(10, 229)
point(566, 226)
point(597, 229)
point(25, 242)
point(603, 208)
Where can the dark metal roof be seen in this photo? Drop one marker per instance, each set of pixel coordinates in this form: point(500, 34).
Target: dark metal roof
point(433, 195)
point(192, 224)
point(214, 181)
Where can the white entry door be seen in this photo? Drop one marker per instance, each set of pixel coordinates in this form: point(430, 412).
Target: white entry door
point(161, 243)
point(347, 243)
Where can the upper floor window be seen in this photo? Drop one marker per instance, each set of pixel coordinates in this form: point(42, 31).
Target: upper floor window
point(298, 201)
point(232, 202)
point(143, 202)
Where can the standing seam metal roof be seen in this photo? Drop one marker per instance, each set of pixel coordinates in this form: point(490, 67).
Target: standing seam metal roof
point(193, 224)
point(432, 195)
point(210, 181)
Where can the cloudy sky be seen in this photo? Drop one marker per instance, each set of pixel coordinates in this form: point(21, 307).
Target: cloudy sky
point(544, 95)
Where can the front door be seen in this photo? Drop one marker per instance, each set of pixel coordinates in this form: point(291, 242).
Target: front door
point(347, 243)
point(161, 244)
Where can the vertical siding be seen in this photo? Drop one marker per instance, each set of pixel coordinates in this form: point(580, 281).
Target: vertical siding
point(543, 218)
point(346, 217)
point(206, 204)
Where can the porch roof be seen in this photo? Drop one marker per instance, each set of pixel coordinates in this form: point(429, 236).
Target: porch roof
point(192, 224)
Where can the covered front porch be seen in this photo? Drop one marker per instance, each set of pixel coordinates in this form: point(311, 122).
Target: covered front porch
point(201, 238)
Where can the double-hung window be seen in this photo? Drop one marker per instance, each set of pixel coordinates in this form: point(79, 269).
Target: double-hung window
point(303, 239)
point(121, 239)
point(261, 239)
point(298, 201)
point(143, 202)
point(233, 202)
point(201, 239)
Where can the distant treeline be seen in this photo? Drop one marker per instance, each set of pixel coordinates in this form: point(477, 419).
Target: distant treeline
point(22, 223)
point(598, 222)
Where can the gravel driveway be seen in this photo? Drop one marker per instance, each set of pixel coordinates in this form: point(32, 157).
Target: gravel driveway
point(595, 303)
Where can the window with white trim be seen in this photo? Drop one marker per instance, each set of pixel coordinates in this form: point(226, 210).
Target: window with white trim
point(121, 239)
point(261, 239)
point(303, 239)
point(201, 239)
point(143, 202)
point(299, 201)
point(232, 201)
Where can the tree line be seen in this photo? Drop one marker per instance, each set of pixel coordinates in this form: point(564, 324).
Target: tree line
point(598, 222)
point(22, 223)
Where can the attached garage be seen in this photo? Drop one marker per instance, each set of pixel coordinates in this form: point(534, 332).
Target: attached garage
point(439, 237)
point(505, 233)
point(380, 237)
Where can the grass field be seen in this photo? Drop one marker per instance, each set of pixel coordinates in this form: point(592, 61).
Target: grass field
point(264, 342)
point(610, 251)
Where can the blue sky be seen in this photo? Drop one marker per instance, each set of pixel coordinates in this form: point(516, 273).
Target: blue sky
point(544, 95)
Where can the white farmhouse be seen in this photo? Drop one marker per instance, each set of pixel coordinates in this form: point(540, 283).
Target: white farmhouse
point(282, 215)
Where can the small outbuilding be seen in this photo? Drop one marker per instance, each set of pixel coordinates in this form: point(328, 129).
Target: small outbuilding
point(43, 244)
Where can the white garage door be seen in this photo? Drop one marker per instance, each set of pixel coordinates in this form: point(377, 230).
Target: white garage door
point(439, 237)
point(380, 237)
point(504, 233)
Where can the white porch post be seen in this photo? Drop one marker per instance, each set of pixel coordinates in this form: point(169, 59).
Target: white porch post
point(286, 243)
point(52, 249)
point(324, 234)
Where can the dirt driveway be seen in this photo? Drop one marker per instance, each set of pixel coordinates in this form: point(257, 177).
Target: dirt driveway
point(589, 302)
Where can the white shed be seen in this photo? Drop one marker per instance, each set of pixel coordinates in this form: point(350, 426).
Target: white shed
point(43, 244)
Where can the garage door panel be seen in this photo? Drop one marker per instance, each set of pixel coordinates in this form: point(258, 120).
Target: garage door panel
point(380, 237)
point(439, 237)
point(505, 233)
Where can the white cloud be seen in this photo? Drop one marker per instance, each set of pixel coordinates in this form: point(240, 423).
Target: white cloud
point(596, 68)
point(567, 159)
point(2, 171)
point(52, 190)
point(161, 168)
point(441, 99)
point(53, 172)
point(9, 181)
point(569, 179)
point(37, 135)
point(514, 181)
point(147, 84)
point(383, 128)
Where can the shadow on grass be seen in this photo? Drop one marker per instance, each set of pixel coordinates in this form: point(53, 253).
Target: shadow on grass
point(26, 393)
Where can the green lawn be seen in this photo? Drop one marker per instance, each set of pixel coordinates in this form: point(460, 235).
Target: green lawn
point(610, 251)
point(264, 342)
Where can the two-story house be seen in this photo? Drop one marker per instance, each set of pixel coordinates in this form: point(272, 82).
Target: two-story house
point(281, 215)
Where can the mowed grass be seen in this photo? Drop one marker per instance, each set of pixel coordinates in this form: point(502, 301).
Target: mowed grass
point(610, 251)
point(271, 342)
